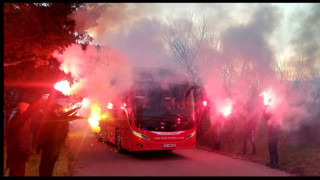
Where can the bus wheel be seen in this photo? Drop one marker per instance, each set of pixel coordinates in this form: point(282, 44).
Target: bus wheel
point(118, 142)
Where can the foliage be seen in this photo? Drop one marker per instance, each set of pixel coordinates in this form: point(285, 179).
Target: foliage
point(33, 31)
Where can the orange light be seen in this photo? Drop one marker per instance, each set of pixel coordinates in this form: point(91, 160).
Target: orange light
point(104, 116)
point(95, 118)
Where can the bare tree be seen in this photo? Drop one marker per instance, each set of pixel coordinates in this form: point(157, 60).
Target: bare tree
point(300, 70)
point(280, 70)
point(184, 39)
point(298, 74)
point(240, 70)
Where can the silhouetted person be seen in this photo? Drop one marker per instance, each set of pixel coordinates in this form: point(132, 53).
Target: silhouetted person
point(249, 134)
point(19, 137)
point(35, 125)
point(18, 152)
point(251, 120)
point(250, 128)
point(273, 133)
point(53, 130)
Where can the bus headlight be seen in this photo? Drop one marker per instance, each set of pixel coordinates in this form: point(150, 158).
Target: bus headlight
point(191, 135)
point(142, 136)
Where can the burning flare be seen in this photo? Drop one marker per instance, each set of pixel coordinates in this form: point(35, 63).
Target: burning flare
point(110, 106)
point(225, 108)
point(204, 103)
point(62, 86)
point(266, 98)
point(95, 118)
point(226, 111)
point(85, 102)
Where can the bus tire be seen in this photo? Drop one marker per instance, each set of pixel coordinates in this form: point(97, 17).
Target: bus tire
point(118, 142)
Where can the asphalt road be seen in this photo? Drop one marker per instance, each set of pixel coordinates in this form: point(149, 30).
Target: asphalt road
point(94, 158)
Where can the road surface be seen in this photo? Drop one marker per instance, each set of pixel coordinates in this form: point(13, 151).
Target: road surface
point(94, 158)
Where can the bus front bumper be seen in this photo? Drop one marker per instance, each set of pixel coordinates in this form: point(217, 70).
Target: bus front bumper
point(149, 145)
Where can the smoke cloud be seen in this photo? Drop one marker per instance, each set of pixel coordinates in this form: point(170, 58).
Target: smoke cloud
point(242, 69)
point(249, 41)
point(235, 71)
point(306, 41)
point(123, 41)
point(100, 73)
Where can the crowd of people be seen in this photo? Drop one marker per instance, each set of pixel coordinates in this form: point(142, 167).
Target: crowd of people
point(250, 116)
point(272, 133)
point(41, 127)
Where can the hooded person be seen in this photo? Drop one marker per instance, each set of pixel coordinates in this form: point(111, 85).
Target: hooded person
point(18, 141)
point(273, 137)
point(249, 132)
point(21, 108)
point(53, 130)
point(19, 136)
point(35, 119)
point(251, 120)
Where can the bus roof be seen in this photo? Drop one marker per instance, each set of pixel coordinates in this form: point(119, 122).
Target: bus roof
point(158, 75)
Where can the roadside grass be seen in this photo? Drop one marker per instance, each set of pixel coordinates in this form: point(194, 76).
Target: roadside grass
point(297, 157)
point(301, 159)
point(63, 166)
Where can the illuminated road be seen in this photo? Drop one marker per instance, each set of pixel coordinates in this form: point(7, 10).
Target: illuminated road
point(98, 159)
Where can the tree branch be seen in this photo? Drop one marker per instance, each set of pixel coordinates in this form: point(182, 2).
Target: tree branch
point(18, 62)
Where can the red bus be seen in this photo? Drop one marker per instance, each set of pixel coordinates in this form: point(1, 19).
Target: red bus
point(158, 113)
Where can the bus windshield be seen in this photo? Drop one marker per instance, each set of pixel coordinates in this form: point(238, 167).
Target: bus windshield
point(164, 106)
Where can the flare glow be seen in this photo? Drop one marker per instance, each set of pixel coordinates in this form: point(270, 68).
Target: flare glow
point(204, 103)
point(95, 118)
point(110, 106)
point(266, 98)
point(226, 111)
point(225, 107)
point(62, 86)
point(85, 102)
